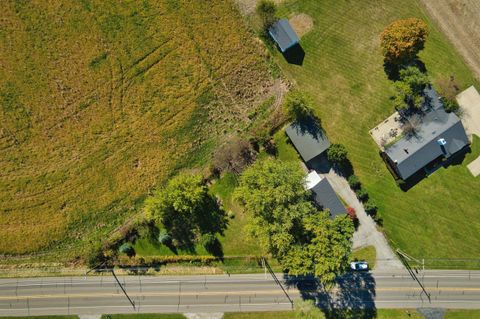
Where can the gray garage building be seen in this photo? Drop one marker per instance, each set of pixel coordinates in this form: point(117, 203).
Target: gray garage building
point(283, 34)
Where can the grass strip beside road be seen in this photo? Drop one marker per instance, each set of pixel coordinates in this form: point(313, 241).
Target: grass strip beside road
point(260, 315)
point(146, 316)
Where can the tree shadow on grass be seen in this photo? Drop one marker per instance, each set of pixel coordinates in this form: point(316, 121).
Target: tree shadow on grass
point(344, 169)
point(352, 297)
point(322, 165)
point(215, 248)
point(393, 70)
point(212, 218)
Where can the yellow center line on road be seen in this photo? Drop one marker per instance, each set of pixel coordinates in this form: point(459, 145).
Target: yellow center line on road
point(148, 294)
point(223, 293)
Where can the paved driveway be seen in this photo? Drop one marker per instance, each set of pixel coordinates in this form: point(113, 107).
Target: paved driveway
point(469, 101)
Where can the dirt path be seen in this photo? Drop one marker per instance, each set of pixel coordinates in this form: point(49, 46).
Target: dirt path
point(460, 21)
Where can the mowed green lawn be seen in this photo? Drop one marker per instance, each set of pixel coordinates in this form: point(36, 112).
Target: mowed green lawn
point(343, 71)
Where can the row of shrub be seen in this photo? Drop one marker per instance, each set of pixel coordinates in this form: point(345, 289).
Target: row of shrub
point(362, 194)
point(121, 244)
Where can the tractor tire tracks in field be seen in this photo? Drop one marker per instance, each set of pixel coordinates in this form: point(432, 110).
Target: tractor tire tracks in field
point(460, 22)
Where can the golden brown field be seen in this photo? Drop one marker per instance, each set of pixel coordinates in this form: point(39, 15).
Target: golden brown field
point(102, 100)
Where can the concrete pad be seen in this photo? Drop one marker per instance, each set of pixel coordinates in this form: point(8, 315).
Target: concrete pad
point(474, 167)
point(387, 131)
point(469, 101)
point(432, 313)
point(90, 316)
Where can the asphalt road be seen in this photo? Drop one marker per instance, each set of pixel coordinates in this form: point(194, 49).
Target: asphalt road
point(101, 294)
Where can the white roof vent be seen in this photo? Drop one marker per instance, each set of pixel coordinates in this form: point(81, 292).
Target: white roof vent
point(441, 142)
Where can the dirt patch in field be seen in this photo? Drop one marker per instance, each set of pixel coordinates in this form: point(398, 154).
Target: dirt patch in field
point(248, 6)
point(458, 19)
point(301, 23)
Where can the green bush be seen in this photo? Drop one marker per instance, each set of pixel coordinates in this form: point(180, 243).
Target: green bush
point(354, 182)
point(450, 106)
point(270, 147)
point(337, 154)
point(95, 257)
point(127, 249)
point(266, 10)
point(370, 207)
point(362, 194)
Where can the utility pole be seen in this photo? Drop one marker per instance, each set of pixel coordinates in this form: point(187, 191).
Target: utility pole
point(405, 259)
point(102, 267)
point(276, 280)
point(123, 289)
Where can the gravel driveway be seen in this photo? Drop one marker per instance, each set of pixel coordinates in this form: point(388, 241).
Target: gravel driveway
point(367, 233)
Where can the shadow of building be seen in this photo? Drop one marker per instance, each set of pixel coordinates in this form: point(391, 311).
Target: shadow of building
point(295, 55)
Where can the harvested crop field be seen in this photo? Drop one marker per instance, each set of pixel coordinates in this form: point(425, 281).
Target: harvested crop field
point(459, 20)
point(103, 100)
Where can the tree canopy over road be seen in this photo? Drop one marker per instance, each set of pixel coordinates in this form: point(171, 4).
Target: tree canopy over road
point(287, 224)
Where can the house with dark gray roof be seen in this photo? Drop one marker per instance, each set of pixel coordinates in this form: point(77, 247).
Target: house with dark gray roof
point(283, 34)
point(438, 135)
point(324, 195)
point(308, 138)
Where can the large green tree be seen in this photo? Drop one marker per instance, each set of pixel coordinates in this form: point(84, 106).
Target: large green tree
point(409, 89)
point(186, 210)
point(298, 105)
point(337, 153)
point(284, 220)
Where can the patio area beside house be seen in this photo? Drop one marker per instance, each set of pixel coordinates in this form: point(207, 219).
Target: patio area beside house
point(388, 131)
